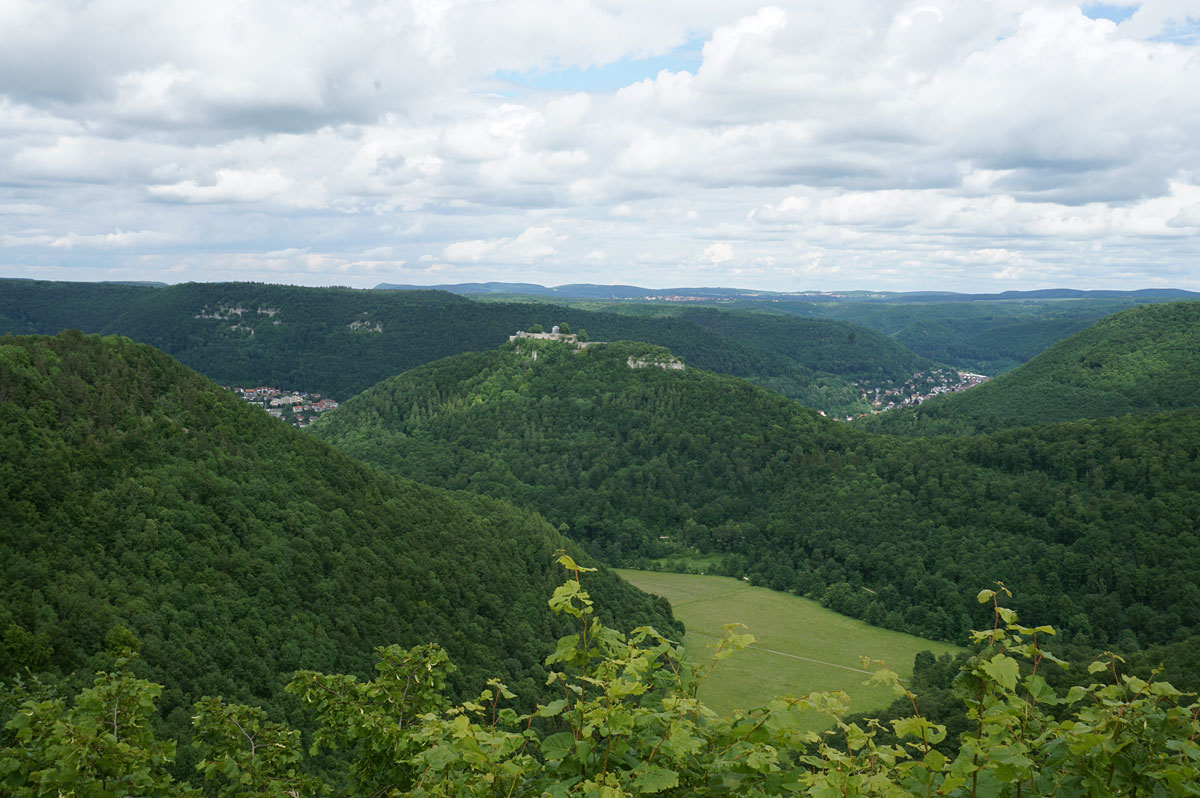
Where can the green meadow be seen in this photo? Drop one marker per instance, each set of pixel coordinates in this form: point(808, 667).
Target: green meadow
point(800, 647)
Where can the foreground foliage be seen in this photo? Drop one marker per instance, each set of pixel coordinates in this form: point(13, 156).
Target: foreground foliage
point(629, 723)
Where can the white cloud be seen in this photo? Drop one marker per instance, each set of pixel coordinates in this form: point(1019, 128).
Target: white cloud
point(469, 251)
point(877, 143)
point(230, 185)
point(532, 245)
point(117, 239)
point(721, 252)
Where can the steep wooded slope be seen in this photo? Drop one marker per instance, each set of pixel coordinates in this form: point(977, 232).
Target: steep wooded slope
point(646, 463)
point(1142, 360)
point(986, 337)
point(135, 493)
point(848, 350)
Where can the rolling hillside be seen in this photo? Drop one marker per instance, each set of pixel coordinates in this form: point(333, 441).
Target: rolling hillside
point(982, 333)
point(650, 463)
point(138, 501)
point(245, 333)
point(848, 350)
point(1142, 360)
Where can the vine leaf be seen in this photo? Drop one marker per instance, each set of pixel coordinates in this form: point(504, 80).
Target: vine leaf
point(1003, 669)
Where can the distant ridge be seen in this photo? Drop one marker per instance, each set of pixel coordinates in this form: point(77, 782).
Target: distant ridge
point(598, 291)
point(579, 290)
point(290, 336)
point(1044, 293)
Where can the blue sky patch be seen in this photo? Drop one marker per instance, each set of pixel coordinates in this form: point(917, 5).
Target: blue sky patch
point(1112, 11)
point(607, 77)
point(1186, 32)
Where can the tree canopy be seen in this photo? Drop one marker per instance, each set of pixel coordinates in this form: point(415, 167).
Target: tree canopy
point(1092, 522)
point(141, 506)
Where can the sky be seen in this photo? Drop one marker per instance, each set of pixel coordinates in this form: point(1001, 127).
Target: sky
point(982, 145)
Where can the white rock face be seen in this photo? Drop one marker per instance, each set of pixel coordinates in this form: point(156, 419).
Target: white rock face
point(657, 362)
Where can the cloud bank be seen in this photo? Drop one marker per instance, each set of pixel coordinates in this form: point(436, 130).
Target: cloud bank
point(827, 145)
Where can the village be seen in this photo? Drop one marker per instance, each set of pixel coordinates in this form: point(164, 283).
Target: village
point(920, 386)
point(295, 407)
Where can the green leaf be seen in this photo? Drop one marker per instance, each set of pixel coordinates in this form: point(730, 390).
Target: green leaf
point(985, 596)
point(1003, 670)
point(557, 746)
point(552, 709)
point(652, 779)
point(1039, 690)
point(909, 727)
point(1164, 689)
point(567, 562)
point(564, 650)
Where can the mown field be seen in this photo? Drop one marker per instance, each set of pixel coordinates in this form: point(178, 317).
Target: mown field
point(800, 646)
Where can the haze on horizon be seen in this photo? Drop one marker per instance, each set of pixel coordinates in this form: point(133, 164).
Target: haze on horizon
point(959, 146)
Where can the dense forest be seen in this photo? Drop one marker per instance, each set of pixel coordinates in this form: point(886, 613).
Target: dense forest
point(245, 333)
point(1142, 360)
point(850, 350)
point(984, 334)
point(985, 337)
point(159, 531)
point(1093, 522)
point(140, 504)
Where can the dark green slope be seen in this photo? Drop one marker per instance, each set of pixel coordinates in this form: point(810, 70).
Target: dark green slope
point(990, 346)
point(1142, 360)
point(986, 337)
point(341, 341)
point(136, 493)
point(851, 351)
point(646, 464)
point(47, 308)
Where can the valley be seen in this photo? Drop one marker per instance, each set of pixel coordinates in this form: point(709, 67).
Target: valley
point(146, 512)
point(799, 645)
point(645, 464)
point(603, 399)
point(253, 334)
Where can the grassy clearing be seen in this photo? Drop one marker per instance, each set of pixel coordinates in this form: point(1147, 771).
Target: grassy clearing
point(800, 646)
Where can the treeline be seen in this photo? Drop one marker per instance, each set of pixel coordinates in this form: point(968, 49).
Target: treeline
point(139, 502)
point(1092, 522)
point(628, 723)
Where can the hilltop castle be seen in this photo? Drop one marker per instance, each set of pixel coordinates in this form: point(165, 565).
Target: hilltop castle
point(553, 335)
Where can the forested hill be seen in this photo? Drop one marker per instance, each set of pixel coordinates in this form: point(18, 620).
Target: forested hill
point(1142, 360)
point(849, 350)
point(247, 333)
point(137, 497)
point(1093, 524)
